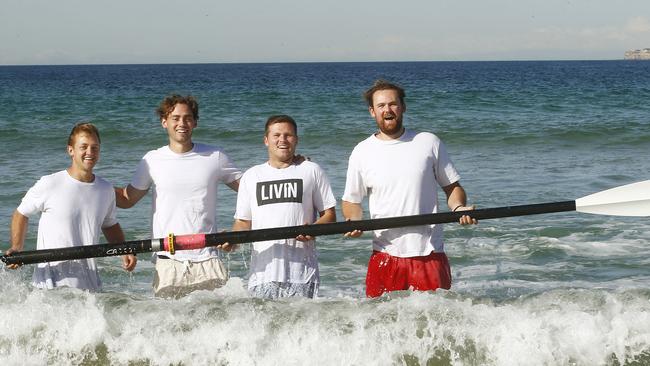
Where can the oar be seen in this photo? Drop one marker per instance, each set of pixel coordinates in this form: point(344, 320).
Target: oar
point(629, 200)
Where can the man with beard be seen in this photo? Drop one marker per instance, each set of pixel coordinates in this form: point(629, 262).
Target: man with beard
point(398, 169)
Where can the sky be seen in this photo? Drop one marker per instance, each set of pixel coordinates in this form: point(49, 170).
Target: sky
point(36, 32)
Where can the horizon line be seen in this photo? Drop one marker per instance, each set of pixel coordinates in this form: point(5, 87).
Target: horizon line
point(304, 62)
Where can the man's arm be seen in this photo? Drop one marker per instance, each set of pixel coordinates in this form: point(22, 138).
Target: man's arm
point(126, 197)
point(352, 212)
point(234, 185)
point(328, 215)
point(114, 234)
point(242, 225)
point(238, 225)
point(457, 201)
point(19, 224)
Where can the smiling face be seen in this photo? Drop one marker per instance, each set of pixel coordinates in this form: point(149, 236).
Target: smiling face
point(281, 140)
point(387, 110)
point(179, 124)
point(84, 153)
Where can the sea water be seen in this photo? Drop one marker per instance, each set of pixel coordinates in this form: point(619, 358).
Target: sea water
point(553, 289)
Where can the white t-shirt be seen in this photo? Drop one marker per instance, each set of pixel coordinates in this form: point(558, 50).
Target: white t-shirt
point(399, 176)
point(73, 213)
point(271, 197)
point(184, 197)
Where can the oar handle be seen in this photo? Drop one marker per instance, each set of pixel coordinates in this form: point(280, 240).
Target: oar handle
point(78, 252)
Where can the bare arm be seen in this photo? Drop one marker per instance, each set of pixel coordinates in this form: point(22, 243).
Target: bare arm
point(328, 215)
point(114, 234)
point(238, 225)
point(457, 201)
point(19, 224)
point(352, 212)
point(234, 185)
point(241, 225)
point(126, 197)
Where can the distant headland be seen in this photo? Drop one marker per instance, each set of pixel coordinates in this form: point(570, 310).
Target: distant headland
point(643, 54)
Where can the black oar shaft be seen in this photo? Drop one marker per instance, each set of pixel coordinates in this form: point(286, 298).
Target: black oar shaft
point(237, 237)
point(78, 252)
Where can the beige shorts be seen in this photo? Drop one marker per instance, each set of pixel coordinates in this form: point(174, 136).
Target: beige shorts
point(175, 279)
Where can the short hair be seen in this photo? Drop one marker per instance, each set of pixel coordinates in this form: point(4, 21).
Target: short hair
point(83, 127)
point(280, 118)
point(169, 103)
point(383, 85)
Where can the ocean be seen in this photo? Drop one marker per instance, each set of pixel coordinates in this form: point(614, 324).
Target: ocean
point(552, 289)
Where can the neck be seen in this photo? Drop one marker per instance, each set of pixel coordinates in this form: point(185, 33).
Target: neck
point(180, 148)
point(279, 164)
point(81, 175)
point(384, 136)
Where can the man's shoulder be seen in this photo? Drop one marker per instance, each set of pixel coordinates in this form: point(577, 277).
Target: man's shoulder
point(366, 143)
point(201, 147)
point(308, 164)
point(103, 183)
point(55, 178)
point(157, 152)
point(422, 134)
point(422, 137)
point(254, 170)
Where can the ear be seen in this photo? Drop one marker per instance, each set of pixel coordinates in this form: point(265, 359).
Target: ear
point(70, 150)
point(163, 122)
point(266, 141)
point(372, 111)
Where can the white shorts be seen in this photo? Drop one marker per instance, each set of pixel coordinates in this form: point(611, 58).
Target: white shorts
point(175, 279)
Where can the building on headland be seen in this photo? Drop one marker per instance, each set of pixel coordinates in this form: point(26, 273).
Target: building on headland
point(643, 54)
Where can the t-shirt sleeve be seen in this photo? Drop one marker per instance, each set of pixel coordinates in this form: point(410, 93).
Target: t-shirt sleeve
point(323, 195)
point(243, 210)
point(142, 177)
point(34, 200)
point(229, 172)
point(111, 214)
point(355, 189)
point(444, 170)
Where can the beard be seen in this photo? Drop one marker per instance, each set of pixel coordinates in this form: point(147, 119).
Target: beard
point(391, 126)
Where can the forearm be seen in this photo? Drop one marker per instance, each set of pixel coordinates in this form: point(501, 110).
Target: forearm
point(126, 197)
point(241, 225)
point(352, 211)
point(457, 199)
point(456, 196)
point(121, 198)
point(326, 216)
point(114, 234)
point(19, 224)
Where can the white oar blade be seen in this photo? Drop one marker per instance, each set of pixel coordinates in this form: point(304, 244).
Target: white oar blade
point(628, 200)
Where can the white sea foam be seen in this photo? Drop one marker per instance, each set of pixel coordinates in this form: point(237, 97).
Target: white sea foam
point(561, 326)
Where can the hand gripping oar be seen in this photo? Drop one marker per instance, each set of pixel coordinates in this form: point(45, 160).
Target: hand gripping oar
point(629, 200)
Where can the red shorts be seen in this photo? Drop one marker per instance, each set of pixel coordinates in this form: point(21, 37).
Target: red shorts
point(388, 273)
